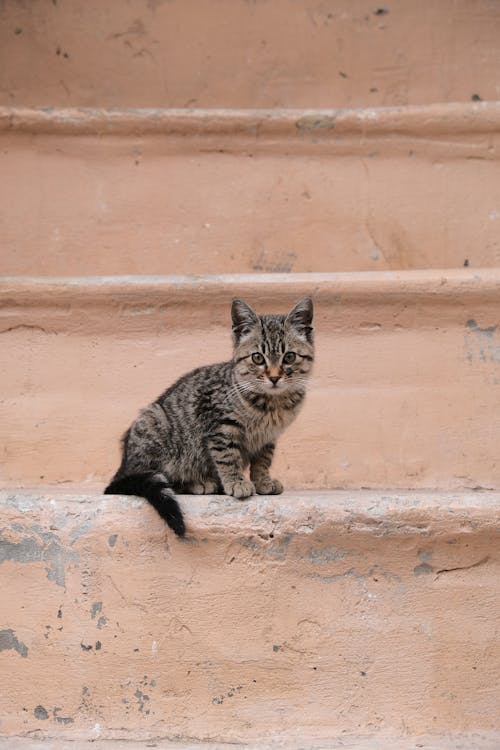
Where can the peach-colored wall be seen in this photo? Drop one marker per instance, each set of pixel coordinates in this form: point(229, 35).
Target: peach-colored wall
point(405, 390)
point(306, 616)
point(86, 193)
point(235, 53)
point(315, 614)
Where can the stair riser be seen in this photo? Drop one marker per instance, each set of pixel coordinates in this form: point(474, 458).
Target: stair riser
point(280, 54)
point(149, 194)
point(300, 619)
point(403, 393)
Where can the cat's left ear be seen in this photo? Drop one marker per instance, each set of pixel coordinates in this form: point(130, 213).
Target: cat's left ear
point(301, 317)
point(243, 318)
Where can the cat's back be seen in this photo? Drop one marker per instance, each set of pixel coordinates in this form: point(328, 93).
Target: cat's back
point(198, 385)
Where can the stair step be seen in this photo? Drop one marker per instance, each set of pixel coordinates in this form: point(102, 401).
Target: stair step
point(95, 191)
point(276, 54)
point(469, 741)
point(307, 617)
point(403, 393)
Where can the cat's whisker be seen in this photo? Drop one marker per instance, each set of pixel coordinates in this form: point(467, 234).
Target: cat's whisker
point(239, 388)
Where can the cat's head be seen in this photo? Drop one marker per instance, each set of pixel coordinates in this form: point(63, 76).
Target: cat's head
point(273, 353)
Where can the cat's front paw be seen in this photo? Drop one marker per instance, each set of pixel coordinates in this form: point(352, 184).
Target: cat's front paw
point(269, 487)
point(208, 487)
point(240, 489)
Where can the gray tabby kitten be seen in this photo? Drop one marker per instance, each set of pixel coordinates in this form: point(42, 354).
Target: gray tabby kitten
point(202, 433)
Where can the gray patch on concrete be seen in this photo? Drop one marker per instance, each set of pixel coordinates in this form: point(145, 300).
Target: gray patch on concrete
point(326, 555)
point(348, 574)
point(84, 527)
point(43, 546)
point(62, 719)
point(142, 699)
point(315, 122)
point(423, 569)
point(112, 540)
point(275, 547)
point(480, 343)
point(424, 555)
point(275, 262)
point(8, 640)
point(41, 713)
point(96, 607)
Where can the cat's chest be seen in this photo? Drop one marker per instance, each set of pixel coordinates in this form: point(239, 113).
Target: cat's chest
point(265, 428)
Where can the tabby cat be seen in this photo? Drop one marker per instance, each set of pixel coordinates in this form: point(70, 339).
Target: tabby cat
point(203, 432)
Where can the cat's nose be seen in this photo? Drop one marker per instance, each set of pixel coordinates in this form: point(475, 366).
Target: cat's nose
point(274, 379)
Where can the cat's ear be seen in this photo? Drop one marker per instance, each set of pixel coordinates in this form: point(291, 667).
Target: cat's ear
point(243, 317)
point(301, 317)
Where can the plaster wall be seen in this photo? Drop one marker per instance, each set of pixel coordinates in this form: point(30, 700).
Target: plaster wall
point(155, 192)
point(404, 393)
point(234, 53)
point(311, 616)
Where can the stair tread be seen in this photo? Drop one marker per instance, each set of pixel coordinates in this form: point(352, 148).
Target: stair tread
point(467, 741)
point(369, 511)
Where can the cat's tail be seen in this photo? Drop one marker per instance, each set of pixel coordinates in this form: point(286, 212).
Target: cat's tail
point(155, 488)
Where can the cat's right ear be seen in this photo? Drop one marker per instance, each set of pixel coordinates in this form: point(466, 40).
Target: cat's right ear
point(243, 318)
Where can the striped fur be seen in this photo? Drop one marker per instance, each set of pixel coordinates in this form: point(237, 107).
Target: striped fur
point(204, 431)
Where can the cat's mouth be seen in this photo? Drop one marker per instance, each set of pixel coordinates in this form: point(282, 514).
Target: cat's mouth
point(266, 386)
point(274, 385)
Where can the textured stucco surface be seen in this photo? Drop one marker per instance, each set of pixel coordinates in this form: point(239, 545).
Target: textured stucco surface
point(235, 53)
point(449, 741)
point(307, 616)
point(404, 393)
point(158, 192)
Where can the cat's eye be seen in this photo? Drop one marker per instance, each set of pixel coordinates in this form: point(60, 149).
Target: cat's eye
point(258, 359)
point(289, 357)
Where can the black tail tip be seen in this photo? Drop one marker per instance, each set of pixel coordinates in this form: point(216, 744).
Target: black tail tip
point(175, 520)
point(177, 525)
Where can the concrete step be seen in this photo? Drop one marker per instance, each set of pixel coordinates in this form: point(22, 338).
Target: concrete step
point(88, 192)
point(469, 741)
point(404, 392)
point(266, 54)
point(314, 619)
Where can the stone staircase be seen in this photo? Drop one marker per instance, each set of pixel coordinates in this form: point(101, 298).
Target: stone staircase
point(361, 608)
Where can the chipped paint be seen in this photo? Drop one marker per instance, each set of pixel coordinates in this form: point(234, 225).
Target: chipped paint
point(423, 569)
point(323, 555)
point(314, 123)
point(274, 547)
point(482, 343)
point(316, 596)
point(41, 546)
point(61, 719)
point(8, 640)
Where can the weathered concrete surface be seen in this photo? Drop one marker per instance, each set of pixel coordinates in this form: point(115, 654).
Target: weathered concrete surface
point(469, 741)
point(86, 192)
point(307, 617)
point(405, 390)
point(190, 53)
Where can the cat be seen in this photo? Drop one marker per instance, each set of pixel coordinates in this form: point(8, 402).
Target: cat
point(201, 434)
